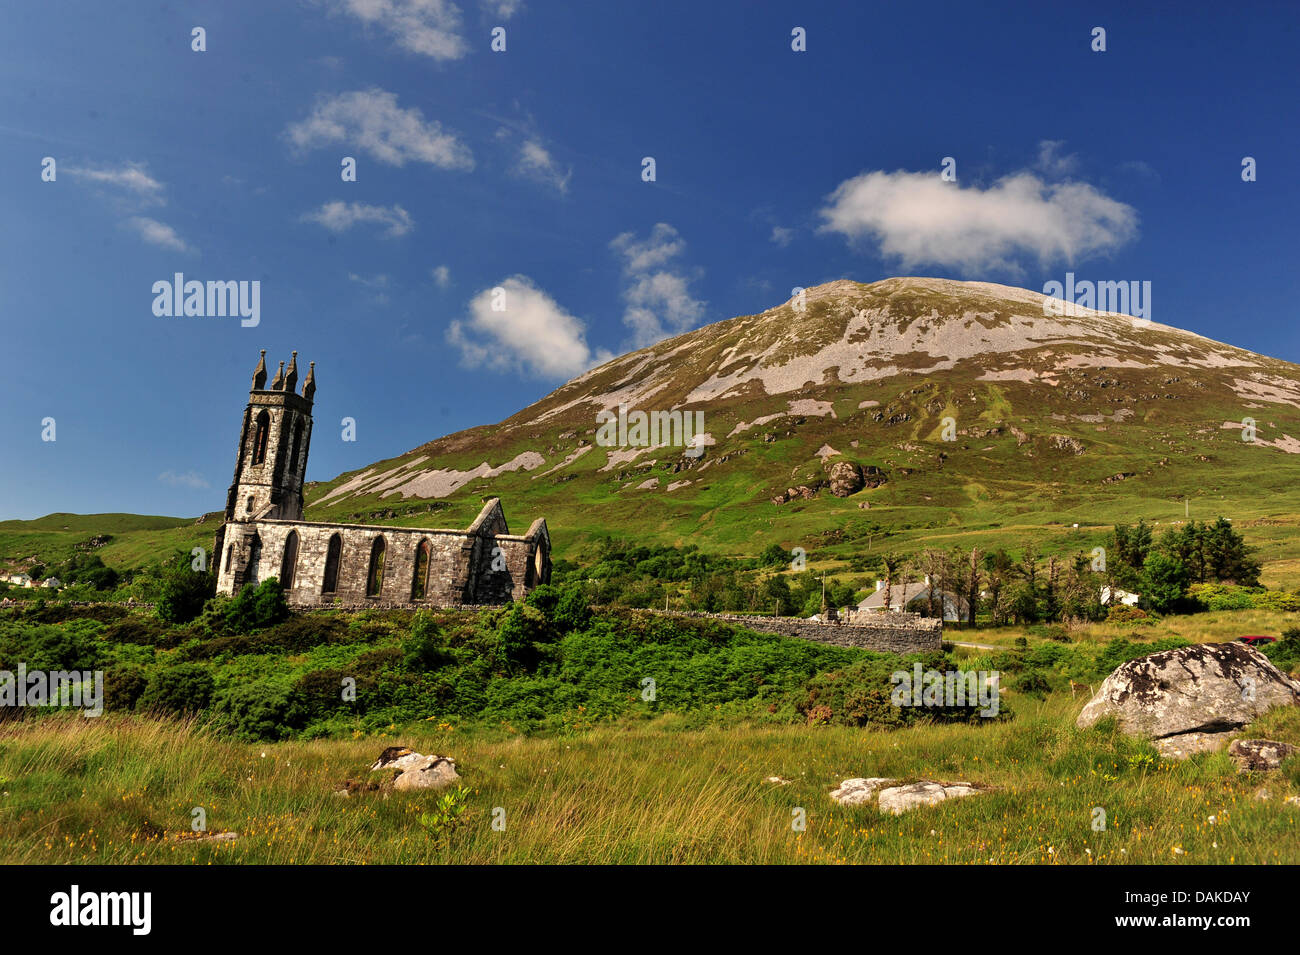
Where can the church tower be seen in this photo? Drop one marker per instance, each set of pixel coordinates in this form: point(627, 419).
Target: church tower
point(272, 459)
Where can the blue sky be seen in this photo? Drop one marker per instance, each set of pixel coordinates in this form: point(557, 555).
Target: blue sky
point(523, 170)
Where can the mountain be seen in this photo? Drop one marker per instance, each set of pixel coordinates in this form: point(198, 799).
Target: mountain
point(968, 408)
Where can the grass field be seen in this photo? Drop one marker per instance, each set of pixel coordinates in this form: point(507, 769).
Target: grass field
point(123, 790)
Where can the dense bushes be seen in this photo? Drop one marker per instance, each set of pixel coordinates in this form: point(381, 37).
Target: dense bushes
point(1232, 597)
point(256, 608)
point(1285, 653)
point(180, 690)
point(183, 591)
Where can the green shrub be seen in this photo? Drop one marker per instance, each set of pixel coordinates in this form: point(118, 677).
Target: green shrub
point(259, 711)
point(424, 648)
point(178, 690)
point(1121, 613)
point(183, 591)
point(123, 686)
point(1285, 652)
point(256, 608)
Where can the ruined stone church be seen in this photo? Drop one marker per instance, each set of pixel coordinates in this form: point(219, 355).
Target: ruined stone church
point(352, 565)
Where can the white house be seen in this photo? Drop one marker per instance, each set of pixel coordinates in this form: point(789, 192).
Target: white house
point(914, 598)
point(1118, 596)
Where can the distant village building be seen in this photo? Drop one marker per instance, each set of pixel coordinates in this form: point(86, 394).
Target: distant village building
point(915, 598)
point(1111, 596)
point(352, 565)
point(52, 583)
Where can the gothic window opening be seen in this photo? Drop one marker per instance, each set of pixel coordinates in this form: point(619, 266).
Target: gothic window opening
point(375, 577)
point(332, 555)
point(420, 583)
point(254, 559)
point(289, 565)
point(260, 437)
point(293, 450)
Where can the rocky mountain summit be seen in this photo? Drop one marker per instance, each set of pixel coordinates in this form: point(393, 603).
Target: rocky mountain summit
point(907, 391)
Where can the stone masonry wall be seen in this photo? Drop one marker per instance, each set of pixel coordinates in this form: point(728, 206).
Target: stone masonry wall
point(463, 568)
point(894, 633)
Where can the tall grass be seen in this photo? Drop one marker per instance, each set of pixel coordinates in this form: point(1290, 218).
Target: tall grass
point(123, 790)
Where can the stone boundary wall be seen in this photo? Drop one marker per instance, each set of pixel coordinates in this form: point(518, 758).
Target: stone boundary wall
point(895, 633)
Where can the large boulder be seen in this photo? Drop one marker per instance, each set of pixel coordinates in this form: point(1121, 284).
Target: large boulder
point(1207, 689)
point(434, 772)
point(853, 792)
point(927, 792)
point(412, 770)
point(845, 478)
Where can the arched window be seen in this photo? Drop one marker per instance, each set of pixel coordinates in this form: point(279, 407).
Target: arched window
point(293, 449)
point(420, 583)
point(332, 555)
point(254, 559)
point(375, 577)
point(230, 553)
point(260, 437)
point(289, 565)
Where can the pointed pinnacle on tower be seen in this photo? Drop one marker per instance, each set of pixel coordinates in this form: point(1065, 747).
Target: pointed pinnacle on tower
point(291, 376)
point(309, 386)
point(259, 373)
point(278, 384)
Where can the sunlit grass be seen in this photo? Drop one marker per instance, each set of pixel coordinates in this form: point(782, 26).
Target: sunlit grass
point(121, 790)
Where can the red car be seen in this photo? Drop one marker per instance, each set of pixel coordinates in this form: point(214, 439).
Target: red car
point(1257, 641)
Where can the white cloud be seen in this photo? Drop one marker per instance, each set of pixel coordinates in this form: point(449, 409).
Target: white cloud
point(505, 9)
point(132, 176)
point(427, 27)
point(782, 236)
point(1052, 162)
point(532, 334)
point(536, 163)
point(339, 216)
point(372, 120)
point(659, 301)
point(919, 219)
point(442, 275)
point(158, 233)
point(188, 479)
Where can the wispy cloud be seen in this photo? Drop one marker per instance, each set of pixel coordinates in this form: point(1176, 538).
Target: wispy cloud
point(505, 9)
point(781, 235)
point(442, 275)
point(339, 216)
point(130, 189)
point(158, 233)
point(658, 297)
point(536, 163)
point(531, 333)
point(429, 28)
point(919, 219)
point(134, 177)
point(372, 120)
point(188, 479)
point(1052, 162)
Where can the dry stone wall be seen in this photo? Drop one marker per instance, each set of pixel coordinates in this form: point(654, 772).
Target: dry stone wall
point(892, 633)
